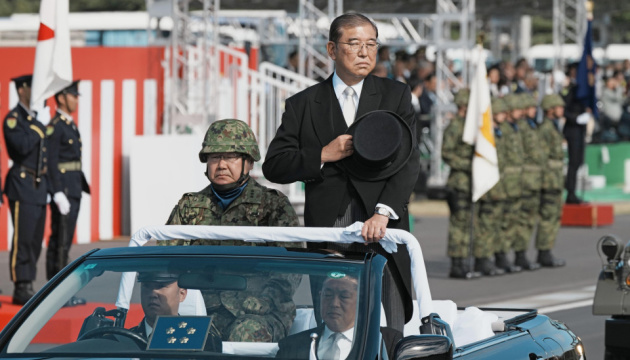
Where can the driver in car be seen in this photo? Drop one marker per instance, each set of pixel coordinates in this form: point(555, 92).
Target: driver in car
point(160, 295)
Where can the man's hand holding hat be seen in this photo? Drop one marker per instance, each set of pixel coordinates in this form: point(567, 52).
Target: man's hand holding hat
point(340, 148)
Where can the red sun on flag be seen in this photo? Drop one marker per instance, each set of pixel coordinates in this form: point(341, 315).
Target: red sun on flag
point(45, 33)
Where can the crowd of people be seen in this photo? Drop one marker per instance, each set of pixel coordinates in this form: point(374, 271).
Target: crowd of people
point(505, 77)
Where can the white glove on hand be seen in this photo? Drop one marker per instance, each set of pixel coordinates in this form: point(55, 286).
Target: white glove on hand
point(583, 118)
point(62, 203)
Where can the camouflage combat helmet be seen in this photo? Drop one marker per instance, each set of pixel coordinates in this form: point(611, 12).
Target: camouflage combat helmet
point(528, 100)
point(513, 101)
point(552, 100)
point(499, 105)
point(229, 135)
point(462, 96)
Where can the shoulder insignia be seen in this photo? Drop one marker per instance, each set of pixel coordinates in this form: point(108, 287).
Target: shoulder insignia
point(50, 129)
point(11, 122)
point(15, 114)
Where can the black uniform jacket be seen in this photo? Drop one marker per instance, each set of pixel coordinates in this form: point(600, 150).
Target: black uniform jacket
point(64, 147)
point(298, 346)
point(312, 119)
point(25, 138)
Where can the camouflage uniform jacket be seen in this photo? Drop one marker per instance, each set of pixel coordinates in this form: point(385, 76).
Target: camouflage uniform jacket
point(512, 149)
point(497, 192)
point(267, 294)
point(457, 155)
point(533, 157)
point(256, 206)
point(551, 145)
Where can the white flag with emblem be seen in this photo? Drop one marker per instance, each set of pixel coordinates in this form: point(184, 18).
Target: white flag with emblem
point(478, 131)
point(53, 61)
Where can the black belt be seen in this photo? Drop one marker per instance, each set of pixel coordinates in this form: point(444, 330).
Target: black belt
point(24, 169)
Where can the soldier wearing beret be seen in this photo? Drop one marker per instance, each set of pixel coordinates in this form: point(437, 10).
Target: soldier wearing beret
point(234, 198)
point(26, 187)
point(552, 181)
point(67, 178)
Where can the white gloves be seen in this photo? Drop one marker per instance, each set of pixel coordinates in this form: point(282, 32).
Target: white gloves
point(62, 202)
point(583, 118)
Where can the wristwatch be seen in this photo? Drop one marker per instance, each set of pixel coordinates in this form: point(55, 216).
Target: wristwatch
point(382, 211)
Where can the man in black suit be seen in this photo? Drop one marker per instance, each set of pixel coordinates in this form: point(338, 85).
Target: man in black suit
point(577, 116)
point(67, 178)
point(26, 187)
point(311, 142)
point(333, 339)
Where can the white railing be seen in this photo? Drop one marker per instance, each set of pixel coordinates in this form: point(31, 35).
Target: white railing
point(270, 87)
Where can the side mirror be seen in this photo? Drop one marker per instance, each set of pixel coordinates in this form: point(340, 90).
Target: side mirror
point(436, 347)
point(610, 247)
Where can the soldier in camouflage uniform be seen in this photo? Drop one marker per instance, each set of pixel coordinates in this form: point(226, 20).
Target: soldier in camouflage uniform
point(491, 204)
point(552, 181)
point(458, 156)
point(533, 161)
point(265, 311)
point(512, 176)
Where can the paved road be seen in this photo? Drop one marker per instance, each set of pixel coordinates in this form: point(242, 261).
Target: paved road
point(590, 329)
point(562, 293)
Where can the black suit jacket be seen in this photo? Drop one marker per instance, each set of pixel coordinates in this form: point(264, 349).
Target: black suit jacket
point(312, 119)
point(64, 145)
point(298, 346)
point(25, 138)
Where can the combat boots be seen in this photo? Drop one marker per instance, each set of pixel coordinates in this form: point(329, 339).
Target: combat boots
point(461, 270)
point(502, 262)
point(521, 260)
point(487, 268)
point(23, 292)
point(546, 259)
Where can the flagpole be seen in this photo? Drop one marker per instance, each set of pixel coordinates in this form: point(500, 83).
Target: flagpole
point(480, 38)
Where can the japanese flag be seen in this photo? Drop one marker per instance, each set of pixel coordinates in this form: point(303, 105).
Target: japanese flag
point(478, 131)
point(53, 62)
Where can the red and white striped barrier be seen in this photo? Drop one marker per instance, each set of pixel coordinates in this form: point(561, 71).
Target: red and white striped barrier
point(121, 96)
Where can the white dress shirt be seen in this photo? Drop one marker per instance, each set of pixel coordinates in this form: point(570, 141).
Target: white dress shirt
point(344, 343)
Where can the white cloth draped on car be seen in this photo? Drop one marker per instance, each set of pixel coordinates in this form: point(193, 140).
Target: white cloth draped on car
point(350, 234)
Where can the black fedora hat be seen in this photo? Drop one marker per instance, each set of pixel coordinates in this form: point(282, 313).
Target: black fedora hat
point(383, 143)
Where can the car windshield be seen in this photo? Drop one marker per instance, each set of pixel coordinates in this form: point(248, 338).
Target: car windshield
point(208, 305)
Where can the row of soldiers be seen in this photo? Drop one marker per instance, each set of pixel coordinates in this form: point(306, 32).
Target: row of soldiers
point(527, 197)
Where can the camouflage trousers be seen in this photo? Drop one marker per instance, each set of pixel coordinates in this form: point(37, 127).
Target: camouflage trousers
point(550, 213)
point(459, 224)
point(530, 206)
point(488, 231)
point(248, 327)
point(509, 224)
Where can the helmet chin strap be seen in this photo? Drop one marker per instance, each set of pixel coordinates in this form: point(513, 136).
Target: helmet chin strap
point(222, 188)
